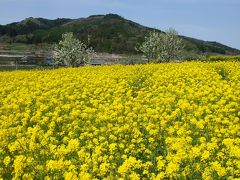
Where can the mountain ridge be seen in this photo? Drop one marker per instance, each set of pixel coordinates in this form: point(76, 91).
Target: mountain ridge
point(108, 33)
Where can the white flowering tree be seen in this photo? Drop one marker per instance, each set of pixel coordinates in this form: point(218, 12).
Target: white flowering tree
point(150, 47)
point(162, 47)
point(71, 52)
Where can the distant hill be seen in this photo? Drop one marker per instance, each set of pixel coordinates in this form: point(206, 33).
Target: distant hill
point(108, 33)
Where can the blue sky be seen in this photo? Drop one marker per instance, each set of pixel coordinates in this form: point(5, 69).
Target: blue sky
point(213, 20)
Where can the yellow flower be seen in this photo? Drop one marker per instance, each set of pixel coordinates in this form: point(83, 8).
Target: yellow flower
point(196, 151)
point(134, 176)
point(7, 160)
point(19, 165)
point(104, 168)
point(70, 176)
point(205, 155)
point(154, 121)
point(73, 145)
point(172, 169)
point(160, 163)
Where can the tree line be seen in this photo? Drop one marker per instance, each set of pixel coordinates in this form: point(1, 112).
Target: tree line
point(157, 47)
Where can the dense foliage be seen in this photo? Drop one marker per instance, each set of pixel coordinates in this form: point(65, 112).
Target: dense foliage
point(166, 121)
point(109, 33)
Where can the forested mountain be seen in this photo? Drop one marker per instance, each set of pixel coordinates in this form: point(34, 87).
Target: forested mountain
point(107, 33)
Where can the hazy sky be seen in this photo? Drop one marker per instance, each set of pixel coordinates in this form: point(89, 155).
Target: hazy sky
point(213, 20)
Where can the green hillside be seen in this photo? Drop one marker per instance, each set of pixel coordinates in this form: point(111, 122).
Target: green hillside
point(108, 33)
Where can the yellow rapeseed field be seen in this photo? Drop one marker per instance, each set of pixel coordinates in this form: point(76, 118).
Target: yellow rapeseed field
point(165, 121)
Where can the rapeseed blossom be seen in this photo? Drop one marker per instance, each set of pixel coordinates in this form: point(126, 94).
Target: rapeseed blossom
point(165, 121)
